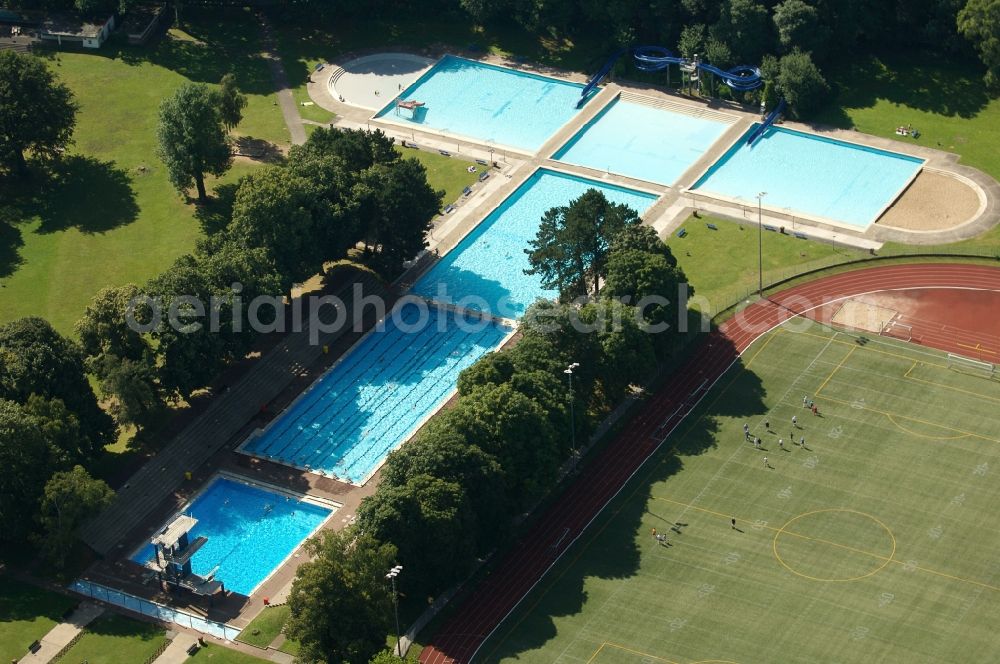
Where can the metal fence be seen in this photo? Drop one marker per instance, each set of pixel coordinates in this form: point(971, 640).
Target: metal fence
point(153, 610)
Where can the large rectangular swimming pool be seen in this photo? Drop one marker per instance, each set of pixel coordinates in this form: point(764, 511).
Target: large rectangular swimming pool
point(641, 142)
point(486, 270)
point(811, 175)
point(488, 103)
point(250, 531)
point(372, 400)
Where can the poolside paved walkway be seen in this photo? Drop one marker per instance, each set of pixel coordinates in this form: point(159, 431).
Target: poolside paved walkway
point(286, 100)
point(60, 635)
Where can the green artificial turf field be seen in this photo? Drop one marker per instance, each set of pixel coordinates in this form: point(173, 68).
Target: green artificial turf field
point(876, 542)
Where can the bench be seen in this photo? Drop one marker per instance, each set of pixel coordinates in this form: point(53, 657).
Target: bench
point(712, 227)
point(34, 647)
point(770, 228)
point(802, 236)
point(484, 176)
point(682, 232)
point(482, 162)
point(467, 191)
point(445, 153)
point(450, 208)
point(192, 649)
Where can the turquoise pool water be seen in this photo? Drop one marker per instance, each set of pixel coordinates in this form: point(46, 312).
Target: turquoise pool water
point(489, 103)
point(250, 531)
point(641, 141)
point(486, 270)
point(370, 401)
point(811, 174)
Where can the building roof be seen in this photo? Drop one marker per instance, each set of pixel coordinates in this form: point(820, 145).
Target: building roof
point(69, 24)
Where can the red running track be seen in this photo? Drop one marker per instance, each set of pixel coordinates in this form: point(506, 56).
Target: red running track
point(482, 611)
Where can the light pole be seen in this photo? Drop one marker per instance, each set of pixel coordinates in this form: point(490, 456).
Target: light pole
point(760, 245)
point(393, 573)
point(572, 415)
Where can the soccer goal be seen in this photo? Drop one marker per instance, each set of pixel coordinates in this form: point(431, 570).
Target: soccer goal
point(897, 330)
point(970, 366)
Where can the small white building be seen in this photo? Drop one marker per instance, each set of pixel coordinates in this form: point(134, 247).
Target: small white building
point(69, 28)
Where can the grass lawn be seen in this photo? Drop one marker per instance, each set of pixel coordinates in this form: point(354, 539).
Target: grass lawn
point(27, 613)
point(874, 543)
point(216, 654)
point(446, 173)
point(112, 216)
point(722, 264)
point(945, 101)
point(265, 628)
point(115, 639)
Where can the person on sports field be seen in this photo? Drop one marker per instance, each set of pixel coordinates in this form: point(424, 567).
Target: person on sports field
point(765, 462)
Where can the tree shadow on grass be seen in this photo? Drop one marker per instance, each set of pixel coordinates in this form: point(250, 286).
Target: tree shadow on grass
point(215, 214)
point(11, 242)
point(613, 545)
point(77, 191)
point(222, 41)
point(914, 80)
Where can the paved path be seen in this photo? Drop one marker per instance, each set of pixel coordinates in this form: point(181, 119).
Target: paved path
point(60, 635)
point(286, 100)
point(176, 652)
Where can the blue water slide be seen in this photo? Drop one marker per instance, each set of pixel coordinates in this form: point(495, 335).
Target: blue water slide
point(654, 58)
point(768, 121)
point(657, 58)
point(741, 77)
point(601, 73)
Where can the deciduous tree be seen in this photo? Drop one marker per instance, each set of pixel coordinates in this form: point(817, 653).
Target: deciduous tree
point(570, 250)
point(979, 22)
point(231, 102)
point(68, 499)
point(801, 84)
point(24, 456)
point(35, 359)
point(430, 521)
point(191, 138)
point(340, 601)
point(37, 112)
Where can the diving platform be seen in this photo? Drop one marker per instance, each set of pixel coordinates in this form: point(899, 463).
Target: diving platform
point(174, 550)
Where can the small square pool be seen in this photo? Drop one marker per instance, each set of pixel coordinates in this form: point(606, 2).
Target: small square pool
point(641, 141)
point(251, 530)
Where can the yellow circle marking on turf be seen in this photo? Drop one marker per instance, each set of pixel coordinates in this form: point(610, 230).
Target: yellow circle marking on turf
point(784, 531)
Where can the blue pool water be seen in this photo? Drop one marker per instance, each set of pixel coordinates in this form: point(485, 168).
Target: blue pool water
point(369, 402)
point(489, 103)
point(486, 270)
point(811, 174)
point(641, 142)
point(250, 531)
